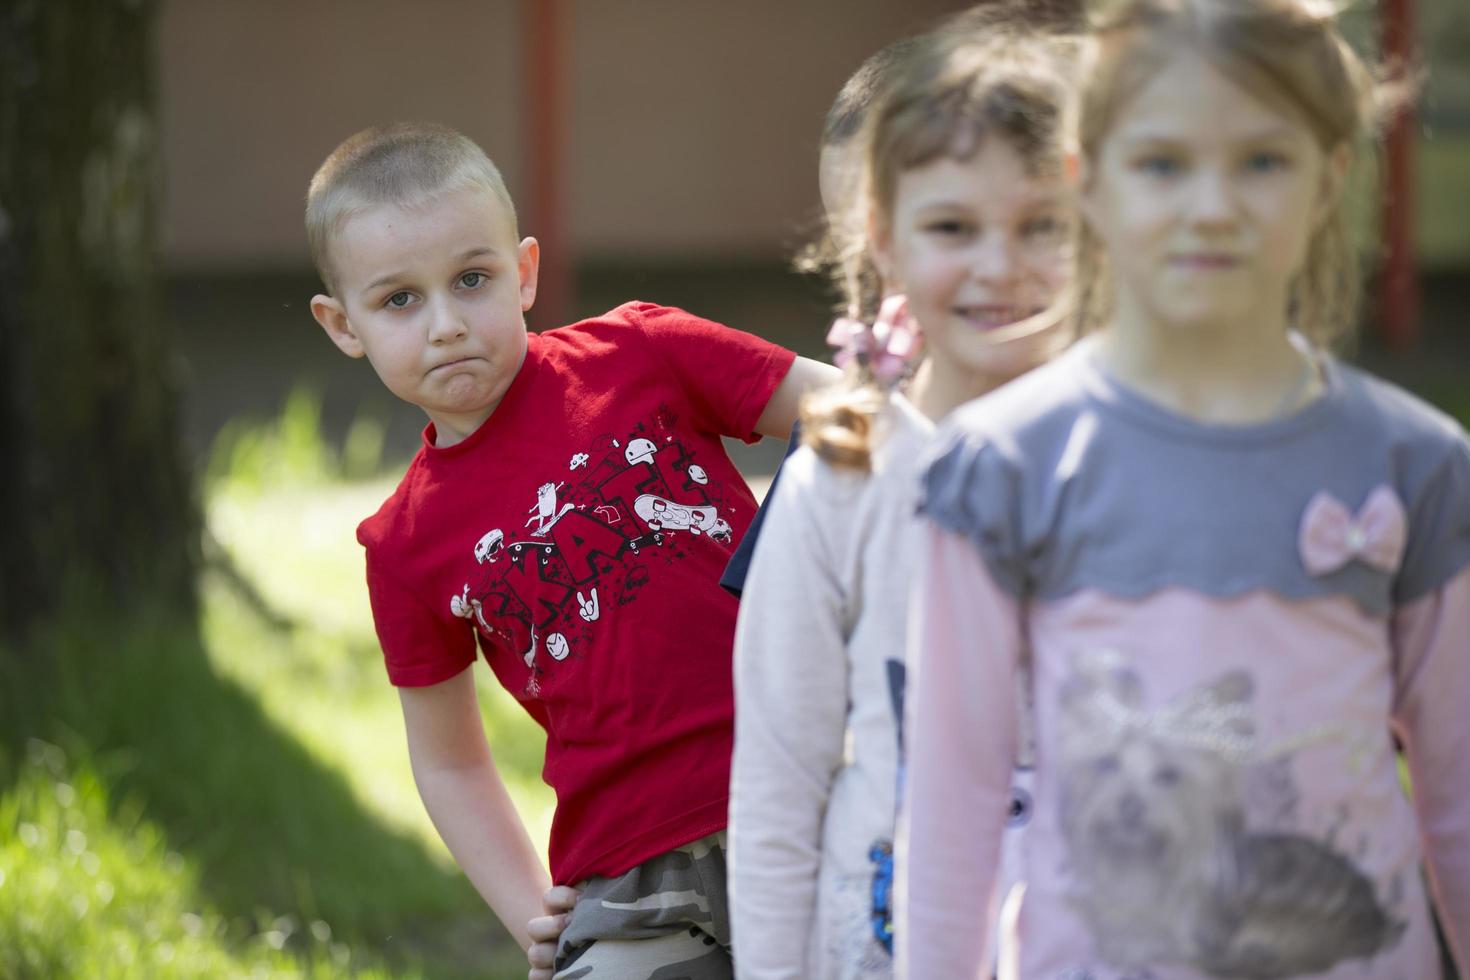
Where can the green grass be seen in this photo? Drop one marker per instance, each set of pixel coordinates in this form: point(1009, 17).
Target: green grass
point(241, 786)
point(89, 889)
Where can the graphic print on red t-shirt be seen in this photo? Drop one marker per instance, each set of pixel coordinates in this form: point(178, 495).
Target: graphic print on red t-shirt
point(540, 582)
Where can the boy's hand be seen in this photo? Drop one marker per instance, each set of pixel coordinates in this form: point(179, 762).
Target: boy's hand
point(546, 929)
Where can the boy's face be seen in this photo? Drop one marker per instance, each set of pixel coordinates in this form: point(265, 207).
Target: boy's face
point(434, 297)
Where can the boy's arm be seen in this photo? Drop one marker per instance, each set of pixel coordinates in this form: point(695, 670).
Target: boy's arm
point(466, 799)
point(782, 411)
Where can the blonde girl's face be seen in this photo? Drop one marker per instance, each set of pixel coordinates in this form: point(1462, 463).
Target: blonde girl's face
point(1206, 199)
point(976, 245)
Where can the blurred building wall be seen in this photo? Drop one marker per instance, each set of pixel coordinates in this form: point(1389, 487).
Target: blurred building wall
point(692, 126)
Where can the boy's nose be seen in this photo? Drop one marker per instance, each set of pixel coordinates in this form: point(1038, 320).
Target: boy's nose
point(446, 323)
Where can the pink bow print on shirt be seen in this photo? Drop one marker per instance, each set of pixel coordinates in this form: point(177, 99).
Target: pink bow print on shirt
point(1331, 535)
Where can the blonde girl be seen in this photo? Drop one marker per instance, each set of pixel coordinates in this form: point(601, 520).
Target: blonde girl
point(1234, 563)
point(963, 216)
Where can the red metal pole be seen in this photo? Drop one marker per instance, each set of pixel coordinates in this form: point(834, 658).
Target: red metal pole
point(545, 106)
point(1400, 300)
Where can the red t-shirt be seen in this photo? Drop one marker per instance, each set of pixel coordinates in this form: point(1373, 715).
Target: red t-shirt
point(579, 535)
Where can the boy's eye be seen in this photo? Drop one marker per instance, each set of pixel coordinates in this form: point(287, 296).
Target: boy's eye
point(399, 299)
point(471, 280)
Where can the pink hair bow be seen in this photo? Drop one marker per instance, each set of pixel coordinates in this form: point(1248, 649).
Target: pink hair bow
point(1331, 535)
point(885, 347)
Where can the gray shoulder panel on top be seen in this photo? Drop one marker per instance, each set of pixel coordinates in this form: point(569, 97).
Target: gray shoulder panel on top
point(1065, 481)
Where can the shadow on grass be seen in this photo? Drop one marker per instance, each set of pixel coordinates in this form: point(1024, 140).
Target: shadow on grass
point(272, 830)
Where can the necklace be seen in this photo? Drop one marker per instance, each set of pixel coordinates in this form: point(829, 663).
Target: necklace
point(1299, 387)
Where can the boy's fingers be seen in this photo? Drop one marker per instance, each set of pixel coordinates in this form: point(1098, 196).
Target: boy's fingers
point(546, 928)
point(559, 898)
point(542, 956)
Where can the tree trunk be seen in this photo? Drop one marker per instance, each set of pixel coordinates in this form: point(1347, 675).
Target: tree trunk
point(96, 499)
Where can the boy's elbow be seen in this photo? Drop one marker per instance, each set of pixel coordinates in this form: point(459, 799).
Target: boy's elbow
point(438, 761)
point(784, 407)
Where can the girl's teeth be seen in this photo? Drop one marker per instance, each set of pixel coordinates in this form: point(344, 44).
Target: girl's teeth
point(992, 317)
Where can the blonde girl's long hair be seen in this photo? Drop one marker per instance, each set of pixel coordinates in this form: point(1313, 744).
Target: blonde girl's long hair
point(992, 76)
point(1289, 54)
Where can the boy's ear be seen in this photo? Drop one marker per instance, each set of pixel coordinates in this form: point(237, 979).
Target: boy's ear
point(528, 267)
point(332, 315)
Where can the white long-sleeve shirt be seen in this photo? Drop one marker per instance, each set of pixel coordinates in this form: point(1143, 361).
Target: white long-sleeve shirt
point(819, 648)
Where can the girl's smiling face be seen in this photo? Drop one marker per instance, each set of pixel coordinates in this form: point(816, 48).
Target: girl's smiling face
point(1205, 198)
point(976, 245)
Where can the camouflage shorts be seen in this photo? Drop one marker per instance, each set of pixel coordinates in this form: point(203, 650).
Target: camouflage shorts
point(666, 919)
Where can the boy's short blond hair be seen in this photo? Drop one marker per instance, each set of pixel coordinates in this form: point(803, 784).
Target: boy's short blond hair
point(402, 163)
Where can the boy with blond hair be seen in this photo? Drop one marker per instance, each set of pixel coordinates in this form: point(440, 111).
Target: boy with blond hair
point(568, 515)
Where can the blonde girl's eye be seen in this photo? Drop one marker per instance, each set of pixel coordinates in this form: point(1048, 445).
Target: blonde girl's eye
point(1266, 161)
point(473, 280)
point(399, 300)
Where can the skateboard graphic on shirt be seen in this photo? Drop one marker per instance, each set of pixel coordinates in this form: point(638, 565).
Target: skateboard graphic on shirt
point(656, 512)
point(545, 515)
point(542, 581)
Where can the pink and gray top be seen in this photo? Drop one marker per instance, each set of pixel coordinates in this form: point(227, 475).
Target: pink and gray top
point(1226, 626)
